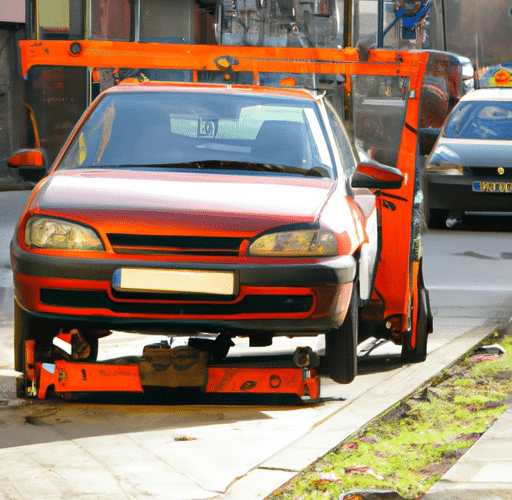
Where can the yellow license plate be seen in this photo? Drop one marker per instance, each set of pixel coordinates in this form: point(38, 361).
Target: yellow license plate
point(492, 187)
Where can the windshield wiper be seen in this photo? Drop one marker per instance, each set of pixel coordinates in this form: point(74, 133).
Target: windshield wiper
point(258, 167)
point(223, 165)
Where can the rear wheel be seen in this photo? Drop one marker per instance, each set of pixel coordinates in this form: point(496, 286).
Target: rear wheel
point(341, 344)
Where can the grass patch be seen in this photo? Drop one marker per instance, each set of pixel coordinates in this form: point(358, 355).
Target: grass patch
point(409, 448)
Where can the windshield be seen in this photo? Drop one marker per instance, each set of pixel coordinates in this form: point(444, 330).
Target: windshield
point(202, 130)
point(481, 120)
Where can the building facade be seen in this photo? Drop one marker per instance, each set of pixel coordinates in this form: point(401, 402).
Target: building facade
point(12, 110)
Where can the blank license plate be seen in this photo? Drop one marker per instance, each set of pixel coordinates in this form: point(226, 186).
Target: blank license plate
point(174, 281)
point(492, 187)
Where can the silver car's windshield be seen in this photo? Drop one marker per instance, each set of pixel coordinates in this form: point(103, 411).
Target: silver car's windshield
point(481, 120)
point(202, 130)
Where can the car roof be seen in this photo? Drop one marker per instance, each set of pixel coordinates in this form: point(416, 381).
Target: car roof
point(152, 86)
point(488, 94)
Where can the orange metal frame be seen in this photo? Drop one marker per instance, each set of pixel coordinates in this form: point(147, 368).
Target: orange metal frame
point(394, 279)
point(65, 377)
point(105, 54)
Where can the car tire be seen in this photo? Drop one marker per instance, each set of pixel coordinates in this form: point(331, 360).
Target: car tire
point(341, 344)
point(437, 218)
point(418, 353)
point(26, 327)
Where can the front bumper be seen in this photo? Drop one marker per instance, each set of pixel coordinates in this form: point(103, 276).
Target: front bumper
point(308, 297)
point(455, 192)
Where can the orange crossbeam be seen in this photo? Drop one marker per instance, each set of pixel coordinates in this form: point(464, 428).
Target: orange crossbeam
point(101, 54)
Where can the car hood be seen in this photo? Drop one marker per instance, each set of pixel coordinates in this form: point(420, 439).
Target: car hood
point(482, 153)
point(122, 200)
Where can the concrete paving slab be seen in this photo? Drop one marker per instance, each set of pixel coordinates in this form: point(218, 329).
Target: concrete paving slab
point(6, 346)
point(258, 484)
point(167, 452)
point(475, 493)
point(484, 471)
point(495, 473)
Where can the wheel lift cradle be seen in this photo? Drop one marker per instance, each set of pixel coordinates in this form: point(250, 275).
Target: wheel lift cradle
point(394, 279)
point(163, 366)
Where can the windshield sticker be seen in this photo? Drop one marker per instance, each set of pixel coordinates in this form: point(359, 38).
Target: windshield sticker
point(207, 127)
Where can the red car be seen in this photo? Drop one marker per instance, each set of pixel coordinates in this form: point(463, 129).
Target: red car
point(186, 208)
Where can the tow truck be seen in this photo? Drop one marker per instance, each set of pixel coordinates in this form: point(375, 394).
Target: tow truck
point(360, 84)
point(398, 308)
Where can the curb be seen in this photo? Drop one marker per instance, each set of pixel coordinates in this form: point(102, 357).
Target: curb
point(284, 466)
point(16, 186)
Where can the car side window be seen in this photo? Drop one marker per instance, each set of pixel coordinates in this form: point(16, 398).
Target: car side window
point(88, 148)
point(343, 146)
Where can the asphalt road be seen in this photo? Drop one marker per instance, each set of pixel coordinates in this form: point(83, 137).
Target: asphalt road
point(468, 267)
point(11, 205)
point(191, 447)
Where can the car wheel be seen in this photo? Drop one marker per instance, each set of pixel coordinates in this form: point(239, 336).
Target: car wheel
point(424, 326)
point(437, 218)
point(341, 344)
point(26, 327)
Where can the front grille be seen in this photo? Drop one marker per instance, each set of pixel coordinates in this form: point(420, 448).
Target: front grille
point(175, 245)
point(489, 172)
point(90, 299)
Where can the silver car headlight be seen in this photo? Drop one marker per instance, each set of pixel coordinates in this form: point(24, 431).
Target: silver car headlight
point(295, 243)
point(60, 234)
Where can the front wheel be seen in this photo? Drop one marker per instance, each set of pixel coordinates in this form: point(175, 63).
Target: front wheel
point(83, 345)
point(26, 327)
point(417, 353)
point(341, 344)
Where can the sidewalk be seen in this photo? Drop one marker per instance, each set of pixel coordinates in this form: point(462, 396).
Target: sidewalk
point(485, 471)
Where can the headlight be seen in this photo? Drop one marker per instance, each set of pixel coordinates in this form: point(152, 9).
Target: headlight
point(444, 161)
point(47, 232)
point(298, 243)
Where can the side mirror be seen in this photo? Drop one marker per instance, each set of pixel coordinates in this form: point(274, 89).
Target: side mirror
point(373, 175)
point(31, 164)
point(35, 158)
